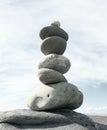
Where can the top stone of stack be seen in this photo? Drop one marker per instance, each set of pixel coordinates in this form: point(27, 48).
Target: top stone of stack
point(54, 39)
point(53, 30)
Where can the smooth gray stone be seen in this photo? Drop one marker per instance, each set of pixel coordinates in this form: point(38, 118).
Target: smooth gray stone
point(48, 76)
point(53, 31)
point(28, 117)
point(72, 126)
point(56, 62)
point(56, 23)
point(53, 44)
point(63, 119)
point(55, 96)
point(9, 126)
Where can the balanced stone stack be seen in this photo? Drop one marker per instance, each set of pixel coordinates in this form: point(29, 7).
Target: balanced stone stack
point(56, 92)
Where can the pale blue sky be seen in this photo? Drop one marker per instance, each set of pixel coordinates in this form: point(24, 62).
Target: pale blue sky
point(86, 23)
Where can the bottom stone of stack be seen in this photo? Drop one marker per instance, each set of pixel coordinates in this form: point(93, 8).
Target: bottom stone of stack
point(24, 119)
point(55, 96)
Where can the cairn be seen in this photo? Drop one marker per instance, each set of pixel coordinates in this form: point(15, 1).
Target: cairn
point(56, 92)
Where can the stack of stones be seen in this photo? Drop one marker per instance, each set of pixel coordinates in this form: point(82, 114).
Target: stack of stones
point(56, 92)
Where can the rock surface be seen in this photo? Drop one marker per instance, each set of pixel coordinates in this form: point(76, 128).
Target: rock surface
point(63, 119)
point(56, 62)
point(53, 31)
point(48, 76)
point(55, 96)
point(53, 44)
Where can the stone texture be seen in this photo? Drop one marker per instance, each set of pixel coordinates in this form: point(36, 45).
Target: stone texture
point(53, 44)
point(53, 31)
point(28, 117)
point(55, 62)
point(63, 119)
point(102, 119)
point(55, 96)
point(48, 76)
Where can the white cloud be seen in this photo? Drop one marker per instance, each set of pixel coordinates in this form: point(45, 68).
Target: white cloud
point(20, 23)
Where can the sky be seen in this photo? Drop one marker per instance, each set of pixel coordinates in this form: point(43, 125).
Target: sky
point(85, 21)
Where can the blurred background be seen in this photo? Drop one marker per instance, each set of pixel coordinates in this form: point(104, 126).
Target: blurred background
point(86, 23)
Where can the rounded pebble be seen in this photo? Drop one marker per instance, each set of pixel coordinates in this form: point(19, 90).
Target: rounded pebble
point(55, 62)
point(53, 31)
point(53, 44)
point(48, 76)
point(56, 23)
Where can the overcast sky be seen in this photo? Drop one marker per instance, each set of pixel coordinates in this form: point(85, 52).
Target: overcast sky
point(20, 24)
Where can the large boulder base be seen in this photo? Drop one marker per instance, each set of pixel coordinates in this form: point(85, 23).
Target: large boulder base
point(55, 96)
point(63, 119)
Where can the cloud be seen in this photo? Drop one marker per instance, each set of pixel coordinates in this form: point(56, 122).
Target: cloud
point(21, 21)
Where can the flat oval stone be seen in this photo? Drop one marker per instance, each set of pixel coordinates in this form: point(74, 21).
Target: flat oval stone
point(55, 62)
point(63, 119)
point(48, 76)
point(55, 96)
point(53, 31)
point(53, 44)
